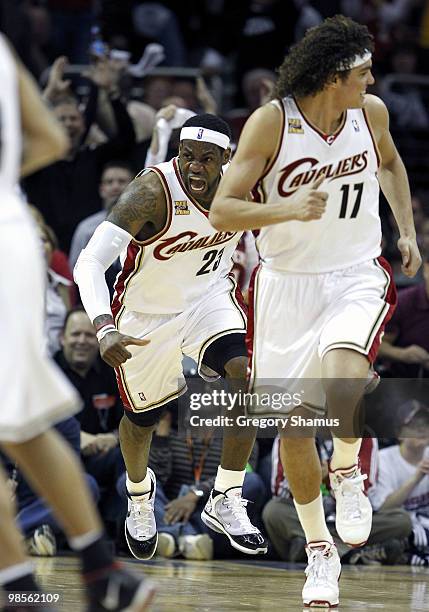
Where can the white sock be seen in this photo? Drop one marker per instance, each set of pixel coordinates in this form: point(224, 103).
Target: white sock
point(9, 574)
point(83, 541)
point(312, 519)
point(345, 455)
point(225, 479)
point(139, 488)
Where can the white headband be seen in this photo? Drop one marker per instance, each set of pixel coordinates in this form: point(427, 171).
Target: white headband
point(205, 135)
point(358, 60)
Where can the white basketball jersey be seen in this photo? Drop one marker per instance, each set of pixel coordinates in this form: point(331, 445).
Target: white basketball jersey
point(10, 121)
point(349, 232)
point(180, 265)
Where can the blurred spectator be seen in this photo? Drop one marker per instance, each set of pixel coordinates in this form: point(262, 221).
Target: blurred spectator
point(259, 32)
point(16, 23)
point(101, 413)
point(403, 478)
point(404, 100)
point(36, 520)
point(154, 22)
point(167, 119)
point(286, 534)
point(71, 28)
point(115, 177)
point(405, 344)
point(186, 467)
point(67, 192)
point(156, 90)
point(257, 86)
point(59, 260)
point(58, 300)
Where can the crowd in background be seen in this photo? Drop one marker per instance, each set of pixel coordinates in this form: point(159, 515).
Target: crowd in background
point(116, 75)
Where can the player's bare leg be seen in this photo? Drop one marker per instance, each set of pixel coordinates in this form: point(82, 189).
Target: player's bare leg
point(135, 446)
point(53, 470)
point(344, 377)
point(140, 525)
point(302, 467)
point(225, 511)
point(238, 441)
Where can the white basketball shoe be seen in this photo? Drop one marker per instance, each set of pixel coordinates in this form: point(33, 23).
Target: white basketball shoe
point(353, 509)
point(323, 573)
point(226, 513)
point(140, 525)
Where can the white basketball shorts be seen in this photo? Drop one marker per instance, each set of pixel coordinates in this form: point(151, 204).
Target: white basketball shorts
point(154, 376)
point(295, 319)
point(35, 393)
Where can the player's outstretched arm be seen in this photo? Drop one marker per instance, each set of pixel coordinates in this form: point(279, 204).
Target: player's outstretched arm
point(141, 204)
point(393, 179)
point(230, 209)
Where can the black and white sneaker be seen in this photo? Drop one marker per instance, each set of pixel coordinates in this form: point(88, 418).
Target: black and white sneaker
point(140, 525)
point(118, 589)
point(226, 513)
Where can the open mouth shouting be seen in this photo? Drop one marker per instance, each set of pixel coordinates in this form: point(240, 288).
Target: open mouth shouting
point(197, 184)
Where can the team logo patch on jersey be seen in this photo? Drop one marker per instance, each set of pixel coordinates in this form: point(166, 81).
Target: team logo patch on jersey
point(295, 126)
point(181, 207)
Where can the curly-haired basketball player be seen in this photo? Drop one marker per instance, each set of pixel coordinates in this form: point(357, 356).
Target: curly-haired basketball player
point(315, 158)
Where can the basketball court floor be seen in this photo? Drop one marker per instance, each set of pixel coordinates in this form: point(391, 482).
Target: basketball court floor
point(242, 585)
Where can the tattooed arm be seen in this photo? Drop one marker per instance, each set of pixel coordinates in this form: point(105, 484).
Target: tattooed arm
point(139, 212)
point(141, 206)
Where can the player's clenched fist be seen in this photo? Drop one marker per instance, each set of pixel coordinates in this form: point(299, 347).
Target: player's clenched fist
point(309, 203)
point(112, 347)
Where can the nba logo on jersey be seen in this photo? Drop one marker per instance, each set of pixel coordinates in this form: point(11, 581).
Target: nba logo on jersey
point(200, 133)
point(142, 397)
point(355, 125)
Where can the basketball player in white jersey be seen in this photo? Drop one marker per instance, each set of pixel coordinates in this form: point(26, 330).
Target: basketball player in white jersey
point(174, 296)
point(322, 295)
point(34, 392)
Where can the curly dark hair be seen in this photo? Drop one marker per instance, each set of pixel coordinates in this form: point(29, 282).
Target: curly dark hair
point(313, 61)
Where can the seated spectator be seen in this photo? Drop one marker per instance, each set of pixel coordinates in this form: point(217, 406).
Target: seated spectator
point(281, 520)
point(101, 413)
point(403, 478)
point(405, 345)
point(186, 467)
point(43, 534)
point(115, 177)
point(66, 192)
point(58, 300)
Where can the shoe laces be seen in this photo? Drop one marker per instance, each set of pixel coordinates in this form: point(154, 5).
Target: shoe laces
point(237, 505)
point(142, 515)
point(350, 491)
point(318, 568)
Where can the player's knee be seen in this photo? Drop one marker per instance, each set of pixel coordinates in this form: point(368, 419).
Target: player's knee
point(135, 429)
point(236, 368)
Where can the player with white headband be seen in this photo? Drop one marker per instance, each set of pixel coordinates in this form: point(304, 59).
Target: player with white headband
point(322, 294)
point(174, 296)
